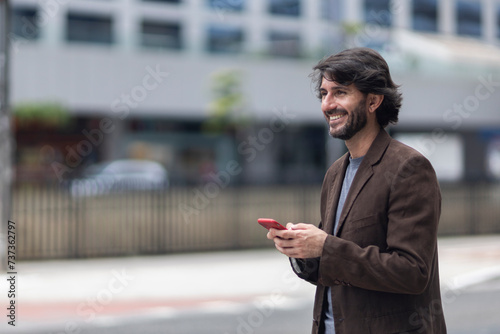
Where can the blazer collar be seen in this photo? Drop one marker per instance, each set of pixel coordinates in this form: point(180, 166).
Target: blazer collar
point(364, 173)
point(378, 147)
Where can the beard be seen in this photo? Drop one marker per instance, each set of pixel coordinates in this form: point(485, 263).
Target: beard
point(355, 122)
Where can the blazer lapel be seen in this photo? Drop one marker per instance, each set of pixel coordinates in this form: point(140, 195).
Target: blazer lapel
point(364, 173)
point(334, 194)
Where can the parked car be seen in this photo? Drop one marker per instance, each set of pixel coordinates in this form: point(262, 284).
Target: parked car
point(120, 176)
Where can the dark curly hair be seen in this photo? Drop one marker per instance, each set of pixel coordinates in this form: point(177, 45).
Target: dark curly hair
point(369, 72)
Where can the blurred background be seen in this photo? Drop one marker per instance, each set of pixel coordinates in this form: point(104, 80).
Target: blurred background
point(166, 126)
point(215, 97)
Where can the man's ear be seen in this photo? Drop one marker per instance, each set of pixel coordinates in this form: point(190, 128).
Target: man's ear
point(374, 101)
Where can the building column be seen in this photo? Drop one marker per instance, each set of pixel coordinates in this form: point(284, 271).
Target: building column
point(402, 13)
point(256, 32)
point(447, 17)
point(127, 25)
point(353, 11)
point(52, 22)
point(194, 29)
point(488, 22)
point(311, 37)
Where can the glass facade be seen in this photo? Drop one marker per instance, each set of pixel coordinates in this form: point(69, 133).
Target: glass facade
point(378, 12)
point(425, 15)
point(89, 28)
point(227, 5)
point(498, 21)
point(468, 18)
point(225, 39)
point(285, 7)
point(165, 1)
point(331, 10)
point(161, 35)
point(284, 44)
point(24, 23)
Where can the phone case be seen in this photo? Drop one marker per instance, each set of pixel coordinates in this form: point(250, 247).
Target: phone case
point(270, 223)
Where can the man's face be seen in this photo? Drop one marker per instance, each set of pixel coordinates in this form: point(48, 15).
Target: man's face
point(344, 108)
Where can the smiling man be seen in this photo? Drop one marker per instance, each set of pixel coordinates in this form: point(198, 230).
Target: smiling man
point(373, 257)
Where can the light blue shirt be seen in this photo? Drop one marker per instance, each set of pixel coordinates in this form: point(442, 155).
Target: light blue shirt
point(352, 168)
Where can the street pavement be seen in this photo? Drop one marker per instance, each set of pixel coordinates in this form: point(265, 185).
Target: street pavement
point(65, 296)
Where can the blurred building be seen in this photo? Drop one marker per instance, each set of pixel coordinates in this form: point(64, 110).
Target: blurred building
point(137, 79)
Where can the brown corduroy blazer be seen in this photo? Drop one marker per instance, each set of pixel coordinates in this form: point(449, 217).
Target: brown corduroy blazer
point(381, 263)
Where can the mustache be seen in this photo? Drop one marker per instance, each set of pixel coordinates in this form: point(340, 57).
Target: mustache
point(336, 111)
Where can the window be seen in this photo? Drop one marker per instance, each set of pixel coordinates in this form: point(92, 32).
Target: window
point(468, 18)
point(493, 158)
point(226, 5)
point(295, 159)
point(225, 39)
point(498, 21)
point(330, 10)
point(378, 12)
point(425, 15)
point(284, 7)
point(445, 155)
point(89, 28)
point(284, 44)
point(165, 1)
point(24, 23)
point(161, 35)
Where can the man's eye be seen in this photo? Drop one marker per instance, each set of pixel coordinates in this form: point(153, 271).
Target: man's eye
point(340, 92)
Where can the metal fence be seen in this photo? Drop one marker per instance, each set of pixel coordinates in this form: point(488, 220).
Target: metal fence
point(51, 223)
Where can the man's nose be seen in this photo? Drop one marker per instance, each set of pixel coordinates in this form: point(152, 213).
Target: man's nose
point(329, 103)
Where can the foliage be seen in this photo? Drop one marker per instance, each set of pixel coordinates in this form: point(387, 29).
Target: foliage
point(351, 28)
point(47, 114)
point(226, 109)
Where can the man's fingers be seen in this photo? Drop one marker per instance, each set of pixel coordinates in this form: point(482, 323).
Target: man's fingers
point(272, 233)
point(290, 252)
point(284, 234)
point(302, 226)
point(284, 243)
point(280, 234)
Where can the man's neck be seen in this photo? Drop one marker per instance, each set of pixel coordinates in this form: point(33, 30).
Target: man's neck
point(361, 142)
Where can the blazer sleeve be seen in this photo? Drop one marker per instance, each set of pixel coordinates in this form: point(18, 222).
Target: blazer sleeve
point(405, 264)
point(307, 269)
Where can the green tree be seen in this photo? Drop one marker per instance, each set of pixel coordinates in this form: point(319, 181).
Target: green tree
point(44, 114)
point(226, 111)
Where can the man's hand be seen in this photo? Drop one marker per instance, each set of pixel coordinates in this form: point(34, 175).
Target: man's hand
point(300, 241)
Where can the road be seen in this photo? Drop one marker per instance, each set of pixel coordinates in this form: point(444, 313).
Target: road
point(472, 310)
point(234, 292)
point(476, 310)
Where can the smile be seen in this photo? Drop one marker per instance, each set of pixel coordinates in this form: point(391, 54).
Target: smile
point(336, 117)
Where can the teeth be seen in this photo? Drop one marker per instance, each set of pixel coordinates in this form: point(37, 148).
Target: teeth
point(332, 118)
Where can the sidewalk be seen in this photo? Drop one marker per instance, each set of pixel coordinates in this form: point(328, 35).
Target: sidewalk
point(75, 291)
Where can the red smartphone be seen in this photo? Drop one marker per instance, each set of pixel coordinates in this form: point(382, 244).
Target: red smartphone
point(270, 223)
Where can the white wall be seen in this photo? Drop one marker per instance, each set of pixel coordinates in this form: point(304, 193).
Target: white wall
point(96, 79)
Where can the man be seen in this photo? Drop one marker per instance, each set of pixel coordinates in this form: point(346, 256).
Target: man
point(374, 255)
